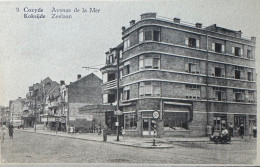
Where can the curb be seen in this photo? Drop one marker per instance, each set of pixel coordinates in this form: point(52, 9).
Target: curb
point(110, 142)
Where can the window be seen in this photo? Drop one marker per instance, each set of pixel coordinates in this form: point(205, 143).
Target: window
point(237, 51)
point(192, 66)
point(219, 70)
point(219, 94)
point(217, 47)
point(149, 89)
point(249, 76)
point(250, 96)
point(193, 91)
point(192, 42)
point(249, 54)
point(111, 77)
point(111, 59)
point(126, 93)
point(175, 120)
point(149, 61)
point(141, 35)
point(111, 98)
point(126, 69)
point(239, 95)
point(126, 43)
point(150, 35)
point(130, 121)
point(238, 72)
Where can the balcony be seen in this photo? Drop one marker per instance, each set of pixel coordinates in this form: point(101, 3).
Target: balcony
point(53, 105)
point(111, 84)
point(25, 108)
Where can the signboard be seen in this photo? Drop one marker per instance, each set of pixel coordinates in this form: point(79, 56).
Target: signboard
point(118, 112)
point(117, 123)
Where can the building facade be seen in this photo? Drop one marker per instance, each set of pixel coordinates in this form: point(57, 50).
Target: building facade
point(85, 91)
point(5, 115)
point(194, 76)
point(16, 111)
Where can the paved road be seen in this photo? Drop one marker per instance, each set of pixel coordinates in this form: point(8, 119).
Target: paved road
point(39, 148)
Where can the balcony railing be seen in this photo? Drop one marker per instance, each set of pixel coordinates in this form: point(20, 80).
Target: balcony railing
point(111, 84)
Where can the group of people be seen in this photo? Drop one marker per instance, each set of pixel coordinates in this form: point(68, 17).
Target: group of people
point(11, 131)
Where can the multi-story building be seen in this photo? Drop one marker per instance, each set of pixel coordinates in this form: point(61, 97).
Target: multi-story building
point(35, 104)
point(16, 111)
point(194, 76)
point(85, 91)
point(5, 115)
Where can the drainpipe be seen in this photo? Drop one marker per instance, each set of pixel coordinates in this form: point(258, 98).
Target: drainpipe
point(117, 94)
point(207, 84)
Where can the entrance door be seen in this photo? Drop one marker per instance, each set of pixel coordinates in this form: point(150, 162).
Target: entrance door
point(149, 127)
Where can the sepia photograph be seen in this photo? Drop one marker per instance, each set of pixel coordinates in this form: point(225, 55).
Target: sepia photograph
point(129, 83)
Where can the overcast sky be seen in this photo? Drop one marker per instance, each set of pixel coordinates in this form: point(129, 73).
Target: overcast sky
point(32, 49)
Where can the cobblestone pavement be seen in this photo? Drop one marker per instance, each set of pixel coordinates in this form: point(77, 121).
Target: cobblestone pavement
point(39, 148)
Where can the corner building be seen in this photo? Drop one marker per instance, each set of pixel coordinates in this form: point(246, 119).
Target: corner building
point(194, 76)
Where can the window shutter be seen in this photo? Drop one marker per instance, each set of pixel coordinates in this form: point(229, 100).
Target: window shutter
point(222, 48)
point(197, 43)
point(234, 96)
point(198, 68)
point(187, 41)
point(242, 96)
point(186, 67)
point(141, 63)
point(213, 46)
point(241, 52)
point(233, 50)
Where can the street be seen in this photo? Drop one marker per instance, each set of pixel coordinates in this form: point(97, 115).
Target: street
point(39, 148)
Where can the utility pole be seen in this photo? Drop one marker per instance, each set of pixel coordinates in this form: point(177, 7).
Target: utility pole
point(35, 119)
point(117, 96)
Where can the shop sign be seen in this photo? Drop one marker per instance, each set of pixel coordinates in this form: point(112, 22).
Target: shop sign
point(147, 114)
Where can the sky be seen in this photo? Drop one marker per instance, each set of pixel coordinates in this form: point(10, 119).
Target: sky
point(33, 49)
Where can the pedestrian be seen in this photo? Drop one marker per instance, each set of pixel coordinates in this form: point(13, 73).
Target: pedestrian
point(11, 131)
point(242, 130)
point(3, 132)
point(213, 129)
point(123, 132)
point(254, 130)
point(231, 129)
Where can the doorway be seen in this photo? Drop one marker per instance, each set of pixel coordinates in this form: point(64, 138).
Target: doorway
point(149, 127)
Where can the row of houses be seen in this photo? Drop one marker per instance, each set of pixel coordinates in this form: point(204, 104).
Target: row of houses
point(194, 77)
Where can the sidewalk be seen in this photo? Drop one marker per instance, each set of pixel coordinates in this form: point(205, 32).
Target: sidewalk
point(166, 142)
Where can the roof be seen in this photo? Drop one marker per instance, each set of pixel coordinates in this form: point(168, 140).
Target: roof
point(85, 77)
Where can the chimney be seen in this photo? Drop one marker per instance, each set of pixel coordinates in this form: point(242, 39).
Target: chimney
point(132, 22)
point(79, 76)
point(148, 15)
point(123, 28)
point(176, 20)
point(198, 25)
point(62, 82)
point(253, 39)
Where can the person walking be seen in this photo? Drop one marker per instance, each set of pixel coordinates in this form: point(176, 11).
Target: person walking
point(3, 132)
point(254, 130)
point(242, 130)
point(123, 132)
point(11, 131)
point(231, 129)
